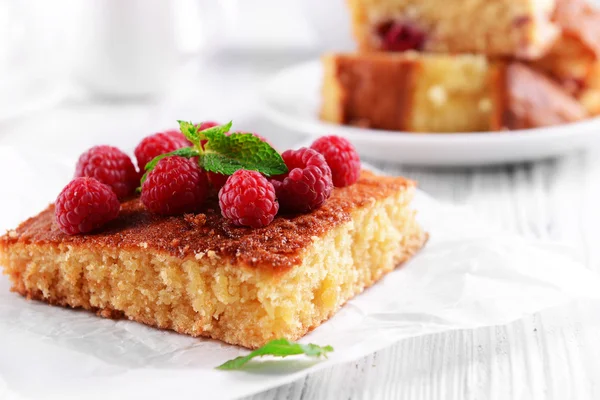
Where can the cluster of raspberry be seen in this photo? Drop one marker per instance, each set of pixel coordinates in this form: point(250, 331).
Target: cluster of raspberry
point(176, 182)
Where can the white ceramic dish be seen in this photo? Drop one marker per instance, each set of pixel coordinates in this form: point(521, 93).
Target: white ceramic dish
point(292, 97)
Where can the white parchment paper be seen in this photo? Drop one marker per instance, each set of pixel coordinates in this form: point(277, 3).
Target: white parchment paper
point(468, 276)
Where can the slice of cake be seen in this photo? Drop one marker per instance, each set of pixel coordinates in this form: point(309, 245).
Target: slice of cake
point(419, 92)
point(198, 274)
point(513, 28)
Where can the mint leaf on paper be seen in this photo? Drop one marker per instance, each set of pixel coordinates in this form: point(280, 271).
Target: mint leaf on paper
point(278, 348)
point(226, 154)
point(187, 152)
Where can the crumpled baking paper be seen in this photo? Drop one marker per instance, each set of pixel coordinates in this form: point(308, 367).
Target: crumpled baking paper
point(468, 276)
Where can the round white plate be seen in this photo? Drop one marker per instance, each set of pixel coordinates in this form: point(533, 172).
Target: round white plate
point(292, 99)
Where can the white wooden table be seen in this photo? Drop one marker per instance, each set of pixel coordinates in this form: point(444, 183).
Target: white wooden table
point(552, 355)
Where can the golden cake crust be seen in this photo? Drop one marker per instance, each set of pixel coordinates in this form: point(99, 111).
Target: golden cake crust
point(276, 246)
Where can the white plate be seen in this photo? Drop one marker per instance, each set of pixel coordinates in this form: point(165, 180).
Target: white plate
point(292, 98)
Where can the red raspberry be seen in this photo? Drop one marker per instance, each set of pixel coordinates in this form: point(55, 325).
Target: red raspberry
point(175, 186)
point(205, 125)
point(157, 144)
point(308, 183)
point(177, 135)
point(85, 204)
point(401, 36)
point(342, 158)
point(111, 166)
point(248, 199)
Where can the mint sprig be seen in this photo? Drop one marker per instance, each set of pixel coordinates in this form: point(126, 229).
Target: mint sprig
point(278, 348)
point(225, 154)
point(191, 132)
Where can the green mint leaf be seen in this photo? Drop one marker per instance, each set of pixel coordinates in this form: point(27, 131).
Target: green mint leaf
point(227, 154)
point(190, 131)
point(215, 162)
point(187, 152)
point(277, 348)
point(216, 131)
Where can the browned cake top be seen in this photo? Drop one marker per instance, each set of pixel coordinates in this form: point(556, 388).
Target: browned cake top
point(274, 246)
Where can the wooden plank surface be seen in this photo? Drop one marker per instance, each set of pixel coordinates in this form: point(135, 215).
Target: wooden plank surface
point(551, 355)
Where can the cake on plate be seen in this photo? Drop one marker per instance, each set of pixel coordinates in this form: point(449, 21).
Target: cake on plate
point(419, 92)
point(466, 66)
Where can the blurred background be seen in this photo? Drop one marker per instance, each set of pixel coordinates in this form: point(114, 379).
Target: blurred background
point(80, 73)
point(77, 73)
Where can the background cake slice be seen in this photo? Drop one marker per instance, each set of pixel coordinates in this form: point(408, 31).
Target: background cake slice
point(418, 92)
point(507, 28)
point(199, 275)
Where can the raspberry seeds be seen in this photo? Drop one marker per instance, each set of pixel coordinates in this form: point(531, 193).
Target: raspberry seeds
point(84, 205)
point(342, 158)
point(175, 186)
point(111, 166)
point(248, 199)
point(308, 184)
point(157, 144)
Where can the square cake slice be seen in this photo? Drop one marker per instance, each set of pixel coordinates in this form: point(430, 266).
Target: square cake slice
point(198, 275)
point(500, 28)
point(425, 92)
